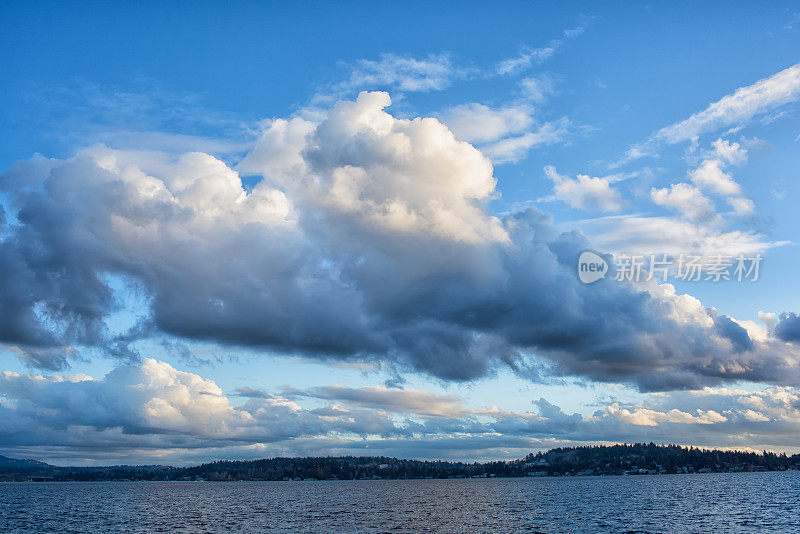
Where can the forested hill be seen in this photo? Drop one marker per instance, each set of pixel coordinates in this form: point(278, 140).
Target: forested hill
point(636, 459)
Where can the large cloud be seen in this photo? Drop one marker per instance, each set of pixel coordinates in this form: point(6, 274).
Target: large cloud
point(368, 237)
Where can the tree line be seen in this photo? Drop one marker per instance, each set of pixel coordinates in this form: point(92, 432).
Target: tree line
point(625, 459)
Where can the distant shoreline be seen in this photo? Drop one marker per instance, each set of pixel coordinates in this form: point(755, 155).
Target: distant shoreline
point(616, 460)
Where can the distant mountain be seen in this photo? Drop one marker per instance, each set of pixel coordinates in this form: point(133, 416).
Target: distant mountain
point(5, 461)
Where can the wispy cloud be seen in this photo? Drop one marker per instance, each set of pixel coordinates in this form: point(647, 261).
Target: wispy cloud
point(738, 107)
point(532, 56)
point(638, 234)
point(405, 401)
point(433, 72)
point(536, 89)
point(733, 110)
point(512, 149)
point(144, 114)
point(506, 134)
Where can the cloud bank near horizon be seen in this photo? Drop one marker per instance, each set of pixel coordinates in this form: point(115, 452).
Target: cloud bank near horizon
point(151, 412)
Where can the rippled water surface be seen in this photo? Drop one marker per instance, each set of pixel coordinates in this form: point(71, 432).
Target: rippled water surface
point(740, 502)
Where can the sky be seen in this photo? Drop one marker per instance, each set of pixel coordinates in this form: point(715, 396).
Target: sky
point(267, 229)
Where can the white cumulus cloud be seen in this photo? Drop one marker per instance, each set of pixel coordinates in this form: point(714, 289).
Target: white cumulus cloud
point(584, 191)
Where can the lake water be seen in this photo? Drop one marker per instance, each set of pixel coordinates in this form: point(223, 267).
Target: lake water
point(736, 502)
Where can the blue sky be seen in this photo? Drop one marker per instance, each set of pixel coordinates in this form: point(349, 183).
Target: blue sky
point(386, 282)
